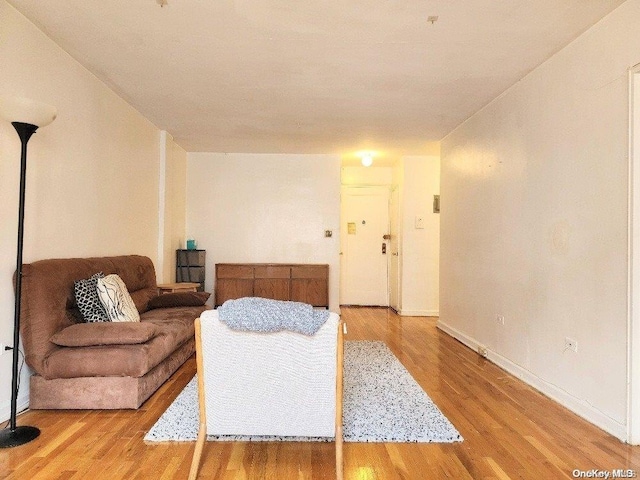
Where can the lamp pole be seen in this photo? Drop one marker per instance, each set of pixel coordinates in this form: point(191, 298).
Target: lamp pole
point(14, 435)
point(26, 116)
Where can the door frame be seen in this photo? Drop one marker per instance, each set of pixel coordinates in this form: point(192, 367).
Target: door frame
point(633, 245)
point(395, 190)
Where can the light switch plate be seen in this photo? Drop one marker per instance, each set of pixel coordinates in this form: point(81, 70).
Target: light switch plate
point(419, 221)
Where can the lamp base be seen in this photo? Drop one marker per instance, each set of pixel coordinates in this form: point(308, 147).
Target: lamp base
point(21, 435)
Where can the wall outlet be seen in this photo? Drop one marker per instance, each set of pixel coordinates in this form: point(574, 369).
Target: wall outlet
point(482, 350)
point(500, 319)
point(570, 344)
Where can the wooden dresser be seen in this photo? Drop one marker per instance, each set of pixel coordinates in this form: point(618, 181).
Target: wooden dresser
point(308, 283)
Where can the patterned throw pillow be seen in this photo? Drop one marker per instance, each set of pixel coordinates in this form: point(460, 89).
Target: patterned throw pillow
point(87, 299)
point(116, 300)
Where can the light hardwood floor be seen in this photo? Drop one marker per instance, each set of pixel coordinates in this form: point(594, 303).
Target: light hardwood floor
point(510, 431)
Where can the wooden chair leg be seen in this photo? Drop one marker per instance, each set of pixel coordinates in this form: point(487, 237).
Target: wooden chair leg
point(339, 459)
point(339, 394)
point(197, 453)
point(202, 433)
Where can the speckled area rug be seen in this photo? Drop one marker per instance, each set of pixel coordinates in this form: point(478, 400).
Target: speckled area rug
point(382, 403)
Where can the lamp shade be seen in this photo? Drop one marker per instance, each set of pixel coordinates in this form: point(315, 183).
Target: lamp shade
point(25, 110)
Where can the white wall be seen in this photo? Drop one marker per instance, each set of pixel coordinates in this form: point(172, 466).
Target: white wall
point(420, 249)
point(534, 223)
point(252, 208)
point(366, 175)
point(92, 183)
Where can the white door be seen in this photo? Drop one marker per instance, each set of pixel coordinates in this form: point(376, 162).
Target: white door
point(394, 250)
point(364, 223)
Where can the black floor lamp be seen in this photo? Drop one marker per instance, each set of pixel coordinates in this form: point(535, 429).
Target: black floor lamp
point(26, 116)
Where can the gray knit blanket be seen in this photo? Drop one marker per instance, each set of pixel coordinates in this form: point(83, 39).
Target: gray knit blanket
point(257, 314)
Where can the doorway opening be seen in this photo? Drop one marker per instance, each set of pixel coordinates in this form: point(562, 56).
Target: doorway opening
point(408, 186)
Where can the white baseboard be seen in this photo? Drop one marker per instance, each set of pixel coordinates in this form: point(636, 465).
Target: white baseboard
point(22, 404)
point(576, 405)
point(418, 313)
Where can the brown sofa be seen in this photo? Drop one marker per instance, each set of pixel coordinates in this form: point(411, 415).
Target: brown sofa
point(104, 365)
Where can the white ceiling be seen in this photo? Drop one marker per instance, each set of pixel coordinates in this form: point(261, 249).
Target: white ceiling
point(309, 76)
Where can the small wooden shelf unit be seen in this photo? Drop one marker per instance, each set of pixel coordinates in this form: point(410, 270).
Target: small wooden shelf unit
point(308, 283)
point(178, 287)
point(190, 267)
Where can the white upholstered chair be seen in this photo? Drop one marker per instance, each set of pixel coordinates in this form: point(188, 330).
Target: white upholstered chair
point(281, 384)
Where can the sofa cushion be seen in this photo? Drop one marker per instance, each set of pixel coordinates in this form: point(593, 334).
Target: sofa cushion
point(179, 299)
point(87, 299)
point(105, 333)
point(174, 328)
point(116, 300)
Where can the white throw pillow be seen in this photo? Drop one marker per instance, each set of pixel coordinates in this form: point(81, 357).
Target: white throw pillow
point(117, 302)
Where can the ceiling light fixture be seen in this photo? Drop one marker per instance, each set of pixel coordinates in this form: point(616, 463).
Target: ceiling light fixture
point(432, 19)
point(367, 159)
point(162, 3)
